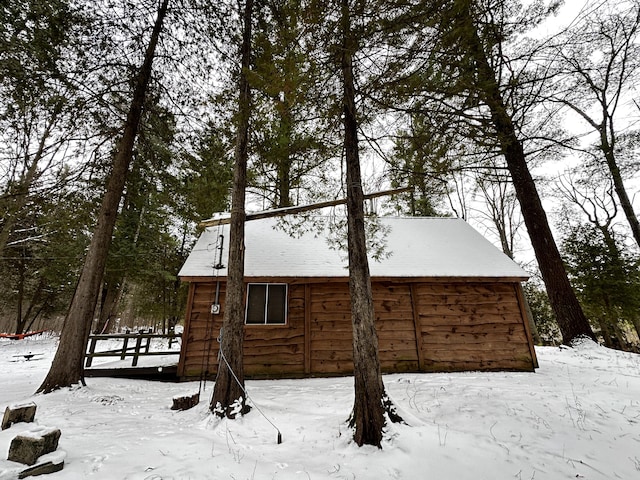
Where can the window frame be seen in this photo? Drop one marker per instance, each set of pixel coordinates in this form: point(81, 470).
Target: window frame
point(265, 307)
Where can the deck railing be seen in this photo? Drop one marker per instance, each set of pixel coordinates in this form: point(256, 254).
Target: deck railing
point(139, 349)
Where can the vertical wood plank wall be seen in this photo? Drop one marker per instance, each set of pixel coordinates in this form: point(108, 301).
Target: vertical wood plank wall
point(422, 326)
point(199, 352)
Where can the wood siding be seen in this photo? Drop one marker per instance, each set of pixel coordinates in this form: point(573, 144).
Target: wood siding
point(199, 352)
point(422, 326)
point(472, 327)
point(277, 350)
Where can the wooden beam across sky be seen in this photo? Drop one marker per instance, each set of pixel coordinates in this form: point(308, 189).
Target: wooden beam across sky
point(279, 212)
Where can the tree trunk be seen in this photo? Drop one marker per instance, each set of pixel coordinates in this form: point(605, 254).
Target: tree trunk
point(34, 317)
point(569, 314)
point(636, 325)
point(618, 184)
point(604, 331)
point(285, 138)
point(26, 319)
point(368, 409)
point(228, 393)
point(20, 300)
point(67, 367)
point(108, 301)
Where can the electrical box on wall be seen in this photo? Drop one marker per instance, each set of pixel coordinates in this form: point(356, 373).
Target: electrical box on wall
point(215, 309)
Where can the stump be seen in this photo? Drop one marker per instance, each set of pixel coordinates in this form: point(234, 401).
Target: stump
point(185, 402)
point(30, 446)
point(18, 413)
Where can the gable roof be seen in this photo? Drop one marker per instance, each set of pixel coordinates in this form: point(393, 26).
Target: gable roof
point(414, 247)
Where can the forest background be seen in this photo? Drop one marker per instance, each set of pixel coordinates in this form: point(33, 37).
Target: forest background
point(68, 73)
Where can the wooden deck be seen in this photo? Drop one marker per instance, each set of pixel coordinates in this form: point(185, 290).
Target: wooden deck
point(163, 374)
point(133, 358)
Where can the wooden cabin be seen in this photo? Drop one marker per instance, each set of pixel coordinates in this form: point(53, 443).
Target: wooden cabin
point(445, 299)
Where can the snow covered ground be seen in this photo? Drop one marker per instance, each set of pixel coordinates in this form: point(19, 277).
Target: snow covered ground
point(578, 416)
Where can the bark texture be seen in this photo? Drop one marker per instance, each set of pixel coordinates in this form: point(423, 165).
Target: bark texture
point(368, 410)
point(67, 367)
point(569, 314)
point(285, 140)
point(228, 394)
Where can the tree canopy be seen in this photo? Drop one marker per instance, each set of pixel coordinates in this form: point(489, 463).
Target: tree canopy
point(483, 107)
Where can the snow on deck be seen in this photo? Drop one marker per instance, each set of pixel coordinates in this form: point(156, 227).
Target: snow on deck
point(413, 247)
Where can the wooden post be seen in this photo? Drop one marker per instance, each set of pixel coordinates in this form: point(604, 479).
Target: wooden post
point(416, 323)
point(187, 326)
point(136, 353)
point(92, 349)
point(307, 328)
point(124, 348)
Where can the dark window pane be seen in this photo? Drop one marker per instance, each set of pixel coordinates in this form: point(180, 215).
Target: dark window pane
point(276, 309)
point(256, 300)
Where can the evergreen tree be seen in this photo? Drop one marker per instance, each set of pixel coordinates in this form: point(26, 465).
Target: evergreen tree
point(228, 397)
point(607, 280)
point(67, 367)
point(41, 108)
point(204, 176)
point(144, 213)
point(461, 51)
point(422, 158)
point(541, 312)
point(370, 400)
point(42, 258)
point(291, 126)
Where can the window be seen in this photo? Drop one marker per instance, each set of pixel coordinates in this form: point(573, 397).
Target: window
point(266, 304)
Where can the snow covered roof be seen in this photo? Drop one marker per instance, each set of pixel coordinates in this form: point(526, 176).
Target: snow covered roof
point(411, 247)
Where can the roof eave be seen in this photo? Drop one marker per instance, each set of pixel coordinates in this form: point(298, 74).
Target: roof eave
point(321, 279)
